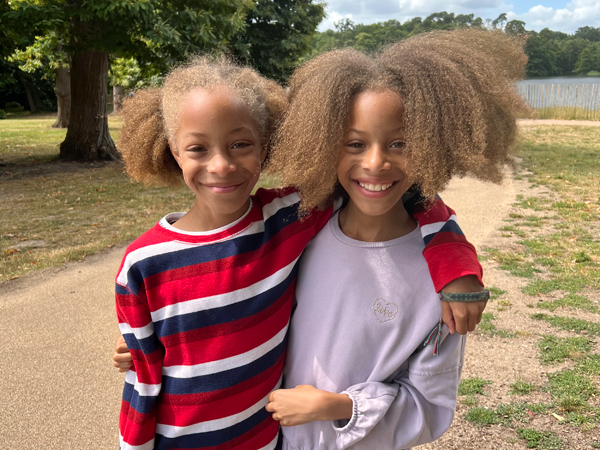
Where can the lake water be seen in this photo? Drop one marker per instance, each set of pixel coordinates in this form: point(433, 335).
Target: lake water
point(562, 92)
point(561, 80)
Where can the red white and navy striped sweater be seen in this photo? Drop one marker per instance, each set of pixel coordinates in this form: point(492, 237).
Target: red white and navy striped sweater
point(205, 316)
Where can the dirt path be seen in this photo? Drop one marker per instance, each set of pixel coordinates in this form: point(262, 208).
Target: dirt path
point(58, 387)
point(59, 390)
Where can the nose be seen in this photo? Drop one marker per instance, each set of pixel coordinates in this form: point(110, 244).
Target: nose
point(376, 159)
point(221, 164)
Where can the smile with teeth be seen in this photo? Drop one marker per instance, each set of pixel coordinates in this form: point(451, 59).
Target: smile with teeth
point(375, 187)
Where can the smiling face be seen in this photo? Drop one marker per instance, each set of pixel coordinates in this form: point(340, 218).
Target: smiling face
point(372, 167)
point(218, 147)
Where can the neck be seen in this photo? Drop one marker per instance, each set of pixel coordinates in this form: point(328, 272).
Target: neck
point(362, 227)
point(200, 218)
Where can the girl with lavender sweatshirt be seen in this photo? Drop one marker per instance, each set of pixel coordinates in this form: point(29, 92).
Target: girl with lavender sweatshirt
point(359, 370)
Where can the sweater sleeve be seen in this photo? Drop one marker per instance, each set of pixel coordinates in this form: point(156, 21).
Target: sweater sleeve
point(448, 253)
point(137, 420)
point(415, 408)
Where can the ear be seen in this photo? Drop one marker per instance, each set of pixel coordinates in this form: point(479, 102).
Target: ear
point(175, 152)
point(263, 152)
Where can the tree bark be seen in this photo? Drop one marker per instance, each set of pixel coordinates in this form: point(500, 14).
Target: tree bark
point(88, 137)
point(118, 97)
point(63, 97)
point(30, 99)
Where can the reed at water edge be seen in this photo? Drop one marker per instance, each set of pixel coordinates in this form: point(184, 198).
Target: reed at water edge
point(563, 101)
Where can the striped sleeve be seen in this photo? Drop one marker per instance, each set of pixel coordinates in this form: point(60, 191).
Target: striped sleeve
point(448, 253)
point(137, 420)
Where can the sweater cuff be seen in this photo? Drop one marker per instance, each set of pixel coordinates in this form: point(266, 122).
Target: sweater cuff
point(447, 262)
point(341, 426)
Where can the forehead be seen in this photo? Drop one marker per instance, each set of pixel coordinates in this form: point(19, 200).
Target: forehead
point(377, 105)
point(214, 100)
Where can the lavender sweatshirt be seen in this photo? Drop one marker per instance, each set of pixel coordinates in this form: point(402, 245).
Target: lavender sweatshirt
point(364, 311)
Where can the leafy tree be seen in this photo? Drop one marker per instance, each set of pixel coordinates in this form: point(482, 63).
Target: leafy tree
point(162, 31)
point(590, 33)
point(515, 27)
point(589, 59)
point(570, 49)
point(542, 59)
point(277, 33)
point(499, 21)
point(46, 55)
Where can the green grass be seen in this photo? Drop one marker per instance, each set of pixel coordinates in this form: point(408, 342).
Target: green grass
point(543, 440)
point(521, 387)
point(570, 383)
point(570, 324)
point(506, 414)
point(572, 301)
point(472, 386)
point(495, 292)
point(76, 209)
point(590, 364)
point(486, 326)
point(555, 350)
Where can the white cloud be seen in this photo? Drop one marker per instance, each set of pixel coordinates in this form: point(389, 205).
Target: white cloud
point(577, 13)
point(426, 7)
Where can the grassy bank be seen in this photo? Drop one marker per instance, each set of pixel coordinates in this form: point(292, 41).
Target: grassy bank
point(54, 212)
point(545, 314)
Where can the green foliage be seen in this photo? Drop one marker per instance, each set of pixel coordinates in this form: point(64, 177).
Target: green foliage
point(589, 59)
point(2, 114)
point(125, 72)
point(543, 440)
point(277, 34)
point(13, 107)
point(44, 54)
point(471, 386)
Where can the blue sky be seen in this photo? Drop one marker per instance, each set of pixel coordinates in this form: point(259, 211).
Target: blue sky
point(558, 15)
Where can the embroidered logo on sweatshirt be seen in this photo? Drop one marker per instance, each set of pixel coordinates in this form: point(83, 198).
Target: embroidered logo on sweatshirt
point(384, 311)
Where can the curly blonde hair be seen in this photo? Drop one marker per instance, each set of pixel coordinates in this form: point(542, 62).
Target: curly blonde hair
point(459, 107)
point(151, 116)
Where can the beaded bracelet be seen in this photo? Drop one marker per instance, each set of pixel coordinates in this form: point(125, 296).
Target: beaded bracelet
point(465, 296)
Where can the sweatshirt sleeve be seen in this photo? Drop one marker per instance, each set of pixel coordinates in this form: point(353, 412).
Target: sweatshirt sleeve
point(415, 408)
point(137, 420)
point(448, 253)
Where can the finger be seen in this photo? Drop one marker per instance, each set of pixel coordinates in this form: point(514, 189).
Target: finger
point(461, 325)
point(122, 357)
point(269, 407)
point(275, 417)
point(448, 317)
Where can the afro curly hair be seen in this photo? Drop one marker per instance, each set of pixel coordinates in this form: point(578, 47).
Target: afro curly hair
point(459, 109)
point(151, 116)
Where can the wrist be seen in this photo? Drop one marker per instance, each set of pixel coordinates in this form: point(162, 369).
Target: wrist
point(335, 407)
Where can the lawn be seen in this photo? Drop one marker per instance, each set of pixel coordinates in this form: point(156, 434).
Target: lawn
point(54, 212)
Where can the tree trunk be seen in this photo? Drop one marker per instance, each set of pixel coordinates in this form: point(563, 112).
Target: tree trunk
point(30, 99)
point(88, 137)
point(63, 97)
point(118, 97)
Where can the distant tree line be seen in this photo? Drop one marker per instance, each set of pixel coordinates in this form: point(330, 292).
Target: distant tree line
point(551, 53)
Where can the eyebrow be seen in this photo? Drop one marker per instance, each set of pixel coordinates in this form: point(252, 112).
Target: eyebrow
point(401, 128)
point(235, 130)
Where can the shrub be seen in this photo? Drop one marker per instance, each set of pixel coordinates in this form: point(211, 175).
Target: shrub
point(2, 114)
point(13, 107)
